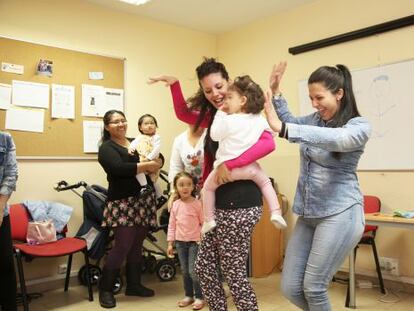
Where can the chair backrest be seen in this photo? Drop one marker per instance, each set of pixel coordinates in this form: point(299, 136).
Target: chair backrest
point(19, 218)
point(372, 204)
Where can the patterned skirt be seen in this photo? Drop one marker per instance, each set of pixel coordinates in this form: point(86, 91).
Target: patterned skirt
point(131, 211)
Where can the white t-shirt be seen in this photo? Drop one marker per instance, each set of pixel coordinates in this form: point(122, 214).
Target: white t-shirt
point(236, 133)
point(185, 157)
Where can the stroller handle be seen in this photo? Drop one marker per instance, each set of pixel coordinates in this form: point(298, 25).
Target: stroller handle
point(63, 185)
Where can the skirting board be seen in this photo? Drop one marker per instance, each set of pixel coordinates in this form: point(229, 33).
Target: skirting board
point(394, 280)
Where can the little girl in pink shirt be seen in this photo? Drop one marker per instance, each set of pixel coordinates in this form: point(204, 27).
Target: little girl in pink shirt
point(184, 229)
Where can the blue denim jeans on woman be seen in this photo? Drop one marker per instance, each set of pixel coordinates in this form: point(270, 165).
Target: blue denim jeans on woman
point(315, 251)
point(187, 254)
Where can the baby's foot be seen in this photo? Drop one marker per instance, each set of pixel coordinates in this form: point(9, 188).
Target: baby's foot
point(208, 226)
point(278, 221)
point(145, 190)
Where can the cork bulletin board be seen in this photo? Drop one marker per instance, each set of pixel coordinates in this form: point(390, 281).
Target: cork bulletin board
point(61, 138)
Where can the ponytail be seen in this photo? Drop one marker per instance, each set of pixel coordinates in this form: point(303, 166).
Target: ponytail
point(334, 79)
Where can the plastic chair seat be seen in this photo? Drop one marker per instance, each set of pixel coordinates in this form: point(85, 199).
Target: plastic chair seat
point(19, 219)
point(63, 247)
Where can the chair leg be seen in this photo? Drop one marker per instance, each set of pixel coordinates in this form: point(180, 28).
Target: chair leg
point(349, 280)
point(22, 280)
point(381, 281)
point(88, 278)
point(68, 268)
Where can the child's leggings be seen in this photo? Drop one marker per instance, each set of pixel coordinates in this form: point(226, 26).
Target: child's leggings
point(252, 171)
point(228, 246)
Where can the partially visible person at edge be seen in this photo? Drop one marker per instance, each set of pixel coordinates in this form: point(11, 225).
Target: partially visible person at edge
point(328, 199)
point(238, 203)
point(8, 179)
point(127, 213)
point(187, 154)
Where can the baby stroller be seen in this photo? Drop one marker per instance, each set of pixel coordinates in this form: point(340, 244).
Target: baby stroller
point(156, 259)
point(98, 239)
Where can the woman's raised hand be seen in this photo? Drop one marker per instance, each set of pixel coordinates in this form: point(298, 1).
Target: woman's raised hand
point(271, 116)
point(168, 80)
point(276, 76)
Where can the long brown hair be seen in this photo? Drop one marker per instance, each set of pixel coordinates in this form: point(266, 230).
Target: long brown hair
point(199, 102)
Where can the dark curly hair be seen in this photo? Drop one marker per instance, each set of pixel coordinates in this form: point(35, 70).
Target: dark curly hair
point(199, 101)
point(245, 86)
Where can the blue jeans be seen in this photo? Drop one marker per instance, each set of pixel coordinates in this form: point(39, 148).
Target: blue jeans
point(315, 251)
point(187, 254)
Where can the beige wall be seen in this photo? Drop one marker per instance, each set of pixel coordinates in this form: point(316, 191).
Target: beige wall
point(149, 47)
point(254, 48)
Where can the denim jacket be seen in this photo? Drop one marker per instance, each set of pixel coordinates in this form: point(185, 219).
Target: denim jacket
point(8, 166)
point(328, 183)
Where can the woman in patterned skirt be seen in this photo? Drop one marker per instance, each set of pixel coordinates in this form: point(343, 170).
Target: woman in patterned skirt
point(127, 213)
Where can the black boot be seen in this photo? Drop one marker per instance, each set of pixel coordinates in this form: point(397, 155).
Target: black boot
point(106, 285)
point(133, 278)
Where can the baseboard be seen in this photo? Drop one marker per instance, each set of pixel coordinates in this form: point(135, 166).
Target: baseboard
point(403, 283)
point(42, 285)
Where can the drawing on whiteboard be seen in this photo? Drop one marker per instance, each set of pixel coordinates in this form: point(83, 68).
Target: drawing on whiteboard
point(383, 103)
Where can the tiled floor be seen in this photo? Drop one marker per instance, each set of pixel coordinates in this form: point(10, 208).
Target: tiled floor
point(167, 295)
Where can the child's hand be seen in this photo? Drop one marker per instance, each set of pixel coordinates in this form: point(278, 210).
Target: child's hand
point(131, 150)
point(222, 174)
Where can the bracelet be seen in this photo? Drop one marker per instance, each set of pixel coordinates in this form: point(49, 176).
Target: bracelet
point(282, 130)
point(277, 96)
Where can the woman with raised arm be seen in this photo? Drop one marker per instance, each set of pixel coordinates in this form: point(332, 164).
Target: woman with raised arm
point(238, 203)
point(328, 200)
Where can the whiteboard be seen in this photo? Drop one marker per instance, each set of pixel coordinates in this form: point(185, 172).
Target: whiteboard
point(385, 96)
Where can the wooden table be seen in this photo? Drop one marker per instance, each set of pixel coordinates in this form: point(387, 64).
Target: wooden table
point(375, 219)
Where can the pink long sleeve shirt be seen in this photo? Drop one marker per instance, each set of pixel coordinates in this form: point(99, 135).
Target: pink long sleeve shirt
point(186, 219)
point(261, 148)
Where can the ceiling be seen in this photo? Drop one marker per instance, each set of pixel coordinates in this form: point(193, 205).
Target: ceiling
point(211, 16)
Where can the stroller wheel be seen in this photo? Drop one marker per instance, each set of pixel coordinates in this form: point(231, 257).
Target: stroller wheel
point(165, 270)
point(94, 275)
point(118, 285)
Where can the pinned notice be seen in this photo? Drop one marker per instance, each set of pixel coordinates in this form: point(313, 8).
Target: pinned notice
point(12, 68)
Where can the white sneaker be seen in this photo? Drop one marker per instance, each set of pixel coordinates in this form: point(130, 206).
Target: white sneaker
point(208, 226)
point(278, 221)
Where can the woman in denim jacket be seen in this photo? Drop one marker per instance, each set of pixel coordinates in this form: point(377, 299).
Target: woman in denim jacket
point(328, 200)
point(8, 178)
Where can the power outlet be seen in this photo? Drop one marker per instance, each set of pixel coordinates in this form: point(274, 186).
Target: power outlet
point(389, 266)
point(62, 268)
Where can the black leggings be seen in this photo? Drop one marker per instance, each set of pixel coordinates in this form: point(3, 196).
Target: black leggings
point(7, 275)
point(128, 244)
